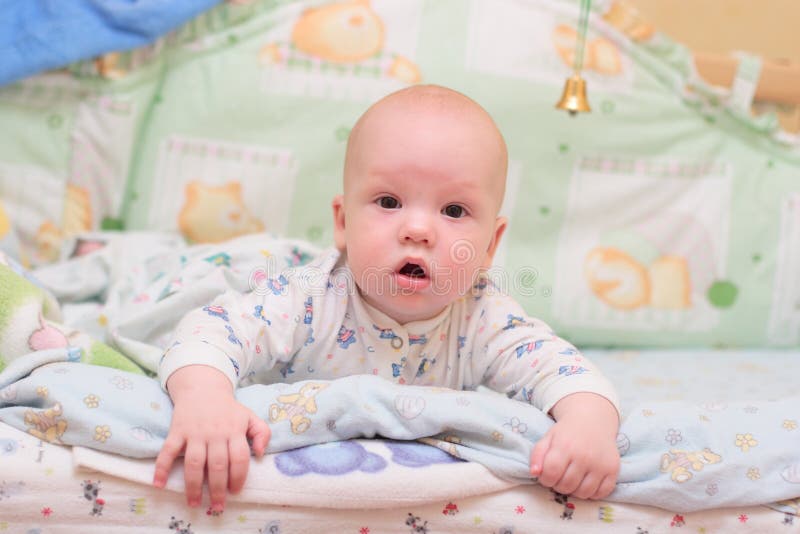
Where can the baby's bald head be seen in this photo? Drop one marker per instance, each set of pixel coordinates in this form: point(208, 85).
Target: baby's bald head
point(426, 107)
point(424, 178)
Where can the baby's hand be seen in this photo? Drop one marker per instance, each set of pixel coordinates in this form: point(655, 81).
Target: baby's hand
point(211, 427)
point(578, 455)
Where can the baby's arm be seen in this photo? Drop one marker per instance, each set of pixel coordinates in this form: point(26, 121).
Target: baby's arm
point(213, 347)
point(578, 455)
point(211, 427)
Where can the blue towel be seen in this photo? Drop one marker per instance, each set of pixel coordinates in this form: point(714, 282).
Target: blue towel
point(36, 35)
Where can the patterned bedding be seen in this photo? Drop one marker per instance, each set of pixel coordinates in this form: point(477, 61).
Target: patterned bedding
point(58, 489)
point(345, 486)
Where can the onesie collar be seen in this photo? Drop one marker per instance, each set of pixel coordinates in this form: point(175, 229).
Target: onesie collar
point(416, 328)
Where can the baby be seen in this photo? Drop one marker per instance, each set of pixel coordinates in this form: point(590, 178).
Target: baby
point(404, 296)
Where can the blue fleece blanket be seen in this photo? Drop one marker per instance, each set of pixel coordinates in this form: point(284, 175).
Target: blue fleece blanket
point(36, 35)
point(723, 458)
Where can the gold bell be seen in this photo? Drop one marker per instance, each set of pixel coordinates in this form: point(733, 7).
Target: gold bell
point(573, 99)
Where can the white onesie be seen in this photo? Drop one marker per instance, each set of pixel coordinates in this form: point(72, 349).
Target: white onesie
point(311, 322)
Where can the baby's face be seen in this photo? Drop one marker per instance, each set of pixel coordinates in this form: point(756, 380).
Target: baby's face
point(419, 216)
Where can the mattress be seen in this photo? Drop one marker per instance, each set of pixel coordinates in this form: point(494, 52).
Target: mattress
point(49, 488)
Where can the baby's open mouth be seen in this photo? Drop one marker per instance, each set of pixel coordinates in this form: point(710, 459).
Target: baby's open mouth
point(413, 270)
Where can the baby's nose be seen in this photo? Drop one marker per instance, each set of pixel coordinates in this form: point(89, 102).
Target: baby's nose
point(417, 231)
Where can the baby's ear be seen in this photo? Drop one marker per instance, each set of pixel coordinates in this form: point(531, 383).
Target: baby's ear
point(500, 226)
point(338, 221)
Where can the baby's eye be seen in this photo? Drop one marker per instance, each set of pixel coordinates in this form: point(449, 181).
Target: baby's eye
point(389, 203)
point(454, 210)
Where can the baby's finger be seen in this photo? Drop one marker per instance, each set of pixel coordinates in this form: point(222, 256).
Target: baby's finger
point(218, 467)
point(606, 487)
point(258, 431)
point(555, 465)
point(538, 454)
point(194, 463)
point(172, 447)
point(239, 454)
point(588, 487)
point(570, 480)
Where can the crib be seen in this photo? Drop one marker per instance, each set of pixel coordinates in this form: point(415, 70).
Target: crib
point(660, 234)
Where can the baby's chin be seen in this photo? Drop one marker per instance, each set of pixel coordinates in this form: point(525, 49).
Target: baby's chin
point(407, 308)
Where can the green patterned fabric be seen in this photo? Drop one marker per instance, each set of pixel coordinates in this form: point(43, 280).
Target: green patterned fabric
point(30, 324)
point(667, 217)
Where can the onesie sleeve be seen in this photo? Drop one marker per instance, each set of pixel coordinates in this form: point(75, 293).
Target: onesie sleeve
point(240, 334)
point(523, 358)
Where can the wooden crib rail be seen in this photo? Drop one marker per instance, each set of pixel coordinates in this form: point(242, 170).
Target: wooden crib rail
point(779, 82)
